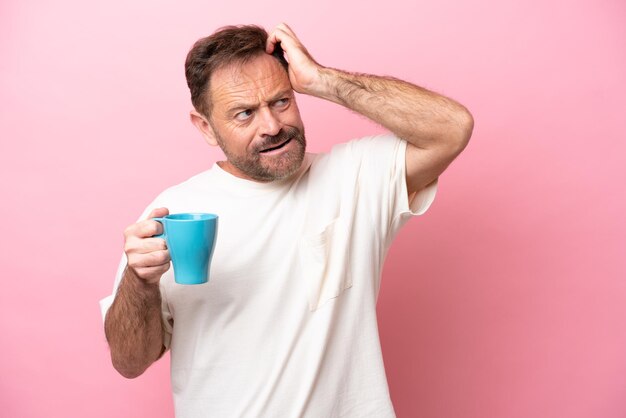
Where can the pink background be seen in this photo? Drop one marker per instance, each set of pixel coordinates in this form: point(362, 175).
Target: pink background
point(508, 299)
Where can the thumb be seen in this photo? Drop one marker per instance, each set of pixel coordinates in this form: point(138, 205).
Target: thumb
point(158, 212)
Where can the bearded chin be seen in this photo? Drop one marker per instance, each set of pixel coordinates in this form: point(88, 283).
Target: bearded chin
point(266, 169)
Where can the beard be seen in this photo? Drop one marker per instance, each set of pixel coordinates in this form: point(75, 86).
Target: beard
point(266, 168)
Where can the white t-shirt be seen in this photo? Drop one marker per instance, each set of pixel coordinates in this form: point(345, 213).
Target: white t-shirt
point(286, 325)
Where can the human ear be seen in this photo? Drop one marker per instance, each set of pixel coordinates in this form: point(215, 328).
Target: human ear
point(203, 125)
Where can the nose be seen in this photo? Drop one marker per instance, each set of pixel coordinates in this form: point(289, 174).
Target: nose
point(269, 124)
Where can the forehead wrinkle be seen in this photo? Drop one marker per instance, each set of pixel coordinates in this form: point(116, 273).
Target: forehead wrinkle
point(248, 86)
point(249, 83)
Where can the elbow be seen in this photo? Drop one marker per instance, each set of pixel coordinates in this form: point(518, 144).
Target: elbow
point(132, 366)
point(465, 125)
point(468, 126)
point(129, 373)
point(128, 368)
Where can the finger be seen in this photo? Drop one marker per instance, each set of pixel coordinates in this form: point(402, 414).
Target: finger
point(153, 259)
point(144, 229)
point(145, 245)
point(287, 42)
point(158, 213)
point(134, 245)
point(280, 34)
point(287, 29)
point(290, 35)
point(149, 228)
point(272, 40)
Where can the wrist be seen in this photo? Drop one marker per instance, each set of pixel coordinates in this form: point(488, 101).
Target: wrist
point(339, 86)
point(139, 285)
point(326, 86)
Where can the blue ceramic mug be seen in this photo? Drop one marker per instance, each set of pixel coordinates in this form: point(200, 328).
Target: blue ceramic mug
point(190, 239)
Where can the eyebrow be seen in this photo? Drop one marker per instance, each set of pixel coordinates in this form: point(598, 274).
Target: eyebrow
point(281, 94)
point(277, 96)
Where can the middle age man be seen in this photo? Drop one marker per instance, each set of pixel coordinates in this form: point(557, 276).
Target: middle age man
point(286, 326)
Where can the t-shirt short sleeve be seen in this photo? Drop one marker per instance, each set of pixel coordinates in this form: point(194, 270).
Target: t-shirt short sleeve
point(382, 175)
point(414, 205)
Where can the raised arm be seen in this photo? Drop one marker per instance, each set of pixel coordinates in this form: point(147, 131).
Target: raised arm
point(436, 128)
point(133, 324)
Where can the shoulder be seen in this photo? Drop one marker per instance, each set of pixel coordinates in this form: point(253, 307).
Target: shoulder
point(359, 158)
point(358, 150)
point(368, 144)
point(184, 188)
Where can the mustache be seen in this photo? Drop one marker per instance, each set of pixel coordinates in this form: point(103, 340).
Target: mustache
point(279, 138)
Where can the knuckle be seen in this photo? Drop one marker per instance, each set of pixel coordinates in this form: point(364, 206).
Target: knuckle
point(152, 227)
point(130, 245)
point(142, 225)
point(128, 231)
point(156, 258)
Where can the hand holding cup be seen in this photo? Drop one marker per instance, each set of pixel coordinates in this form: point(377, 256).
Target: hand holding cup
point(148, 256)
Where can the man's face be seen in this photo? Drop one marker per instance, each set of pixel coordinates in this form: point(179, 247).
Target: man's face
point(256, 121)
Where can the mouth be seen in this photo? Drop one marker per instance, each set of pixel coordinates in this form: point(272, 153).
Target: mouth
point(279, 146)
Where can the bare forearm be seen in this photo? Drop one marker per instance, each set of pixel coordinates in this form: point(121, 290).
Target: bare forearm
point(421, 117)
point(133, 326)
point(436, 128)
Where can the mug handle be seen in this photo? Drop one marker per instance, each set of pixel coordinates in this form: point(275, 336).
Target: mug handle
point(160, 220)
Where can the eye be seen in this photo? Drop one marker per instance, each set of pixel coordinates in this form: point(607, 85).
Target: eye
point(244, 115)
point(281, 102)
